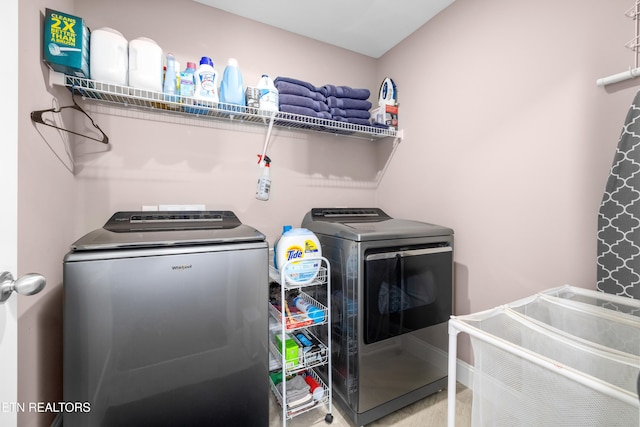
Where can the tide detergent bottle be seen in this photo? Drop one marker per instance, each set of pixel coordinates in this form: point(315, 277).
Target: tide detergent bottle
point(297, 252)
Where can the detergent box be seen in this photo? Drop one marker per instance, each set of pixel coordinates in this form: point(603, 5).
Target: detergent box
point(290, 348)
point(66, 43)
point(385, 115)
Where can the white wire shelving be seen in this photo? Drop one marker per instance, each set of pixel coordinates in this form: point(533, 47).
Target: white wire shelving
point(126, 96)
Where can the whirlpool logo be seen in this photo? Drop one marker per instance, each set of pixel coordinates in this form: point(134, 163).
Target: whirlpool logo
point(181, 267)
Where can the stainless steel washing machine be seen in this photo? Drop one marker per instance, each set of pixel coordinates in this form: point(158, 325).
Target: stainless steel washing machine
point(392, 296)
point(165, 322)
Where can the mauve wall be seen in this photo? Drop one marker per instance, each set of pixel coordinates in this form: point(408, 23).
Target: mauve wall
point(154, 162)
point(507, 140)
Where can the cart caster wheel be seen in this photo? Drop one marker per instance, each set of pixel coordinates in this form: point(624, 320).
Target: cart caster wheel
point(328, 418)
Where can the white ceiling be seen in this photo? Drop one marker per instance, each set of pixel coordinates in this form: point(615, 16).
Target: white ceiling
point(369, 27)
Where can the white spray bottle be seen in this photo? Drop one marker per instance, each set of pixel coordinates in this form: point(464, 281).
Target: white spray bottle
point(264, 182)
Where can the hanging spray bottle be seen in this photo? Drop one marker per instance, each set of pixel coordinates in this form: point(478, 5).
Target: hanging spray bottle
point(264, 182)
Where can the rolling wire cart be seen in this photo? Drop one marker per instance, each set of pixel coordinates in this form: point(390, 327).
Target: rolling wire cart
point(305, 349)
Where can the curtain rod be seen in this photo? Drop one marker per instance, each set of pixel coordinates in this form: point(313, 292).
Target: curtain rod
point(634, 45)
point(620, 77)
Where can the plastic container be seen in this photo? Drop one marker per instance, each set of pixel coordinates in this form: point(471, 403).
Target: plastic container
point(268, 94)
point(232, 88)
point(314, 313)
point(187, 80)
point(109, 56)
point(145, 64)
point(264, 182)
point(298, 244)
point(316, 389)
point(206, 85)
point(285, 228)
point(187, 86)
point(170, 84)
point(176, 66)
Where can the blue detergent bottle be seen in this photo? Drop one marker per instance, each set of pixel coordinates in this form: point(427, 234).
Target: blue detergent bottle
point(232, 88)
point(170, 82)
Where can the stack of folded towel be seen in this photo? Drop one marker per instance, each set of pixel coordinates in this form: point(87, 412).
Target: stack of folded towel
point(298, 393)
point(348, 104)
point(300, 97)
point(341, 103)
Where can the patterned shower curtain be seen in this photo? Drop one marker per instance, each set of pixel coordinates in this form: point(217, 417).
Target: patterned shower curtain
point(619, 217)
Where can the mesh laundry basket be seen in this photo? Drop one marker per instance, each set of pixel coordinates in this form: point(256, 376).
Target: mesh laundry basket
point(547, 361)
point(608, 329)
point(596, 299)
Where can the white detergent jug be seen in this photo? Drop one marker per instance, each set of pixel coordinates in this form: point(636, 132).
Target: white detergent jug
point(303, 245)
point(268, 94)
point(145, 64)
point(109, 56)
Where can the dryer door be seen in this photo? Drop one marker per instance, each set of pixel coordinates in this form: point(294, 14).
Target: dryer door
point(406, 289)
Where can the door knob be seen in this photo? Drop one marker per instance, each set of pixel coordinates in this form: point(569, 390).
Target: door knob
point(28, 284)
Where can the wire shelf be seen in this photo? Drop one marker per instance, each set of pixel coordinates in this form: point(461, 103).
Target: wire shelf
point(325, 400)
point(139, 98)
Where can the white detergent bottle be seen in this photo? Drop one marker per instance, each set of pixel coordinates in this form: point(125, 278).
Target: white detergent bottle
point(206, 83)
point(145, 64)
point(299, 249)
point(109, 56)
point(268, 94)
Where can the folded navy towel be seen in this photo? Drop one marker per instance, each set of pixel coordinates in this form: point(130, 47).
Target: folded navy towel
point(339, 112)
point(379, 125)
point(285, 87)
point(345, 92)
point(302, 101)
point(353, 120)
point(304, 111)
point(348, 103)
point(297, 82)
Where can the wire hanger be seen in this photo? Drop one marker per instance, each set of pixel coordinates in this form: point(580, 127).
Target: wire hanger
point(36, 116)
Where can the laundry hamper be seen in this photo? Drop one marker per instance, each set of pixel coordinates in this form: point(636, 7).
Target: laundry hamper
point(564, 357)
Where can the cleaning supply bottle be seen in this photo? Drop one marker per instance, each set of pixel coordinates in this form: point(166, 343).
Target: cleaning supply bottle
point(176, 66)
point(188, 86)
point(264, 182)
point(232, 88)
point(316, 389)
point(268, 94)
point(313, 312)
point(300, 249)
point(206, 85)
point(187, 80)
point(169, 87)
point(285, 228)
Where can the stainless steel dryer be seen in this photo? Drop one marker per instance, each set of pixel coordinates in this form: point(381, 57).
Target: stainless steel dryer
point(392, 295)
point(165, 322)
